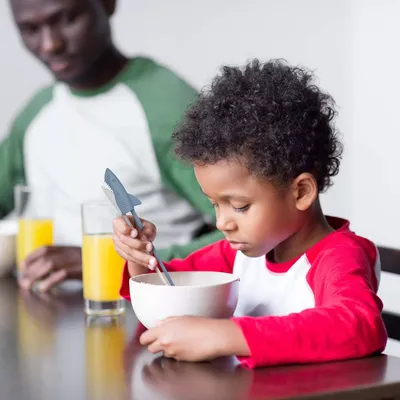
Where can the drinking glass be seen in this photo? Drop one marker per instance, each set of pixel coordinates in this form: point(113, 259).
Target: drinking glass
point(35, 223)
point(102, 267)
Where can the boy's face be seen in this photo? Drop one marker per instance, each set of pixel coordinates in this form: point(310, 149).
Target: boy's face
point(253, 215)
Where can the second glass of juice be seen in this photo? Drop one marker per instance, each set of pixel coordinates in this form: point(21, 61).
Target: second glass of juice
point(102, 267)
point(35, 222)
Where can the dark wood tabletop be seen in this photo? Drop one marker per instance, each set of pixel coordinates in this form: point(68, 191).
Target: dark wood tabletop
point(50, 350)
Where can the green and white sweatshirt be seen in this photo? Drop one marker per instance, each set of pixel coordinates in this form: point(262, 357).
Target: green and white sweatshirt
point(63, 140)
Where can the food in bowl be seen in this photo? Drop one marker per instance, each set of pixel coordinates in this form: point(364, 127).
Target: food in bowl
point(8, 237)
point(199, 293)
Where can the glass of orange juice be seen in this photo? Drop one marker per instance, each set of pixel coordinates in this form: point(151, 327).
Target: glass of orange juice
point(102, 267)
point(35, 223)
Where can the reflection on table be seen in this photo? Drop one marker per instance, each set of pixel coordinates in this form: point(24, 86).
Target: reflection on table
point(156, 377)
point(37, 324)
point(50, 350)
point(105, 339)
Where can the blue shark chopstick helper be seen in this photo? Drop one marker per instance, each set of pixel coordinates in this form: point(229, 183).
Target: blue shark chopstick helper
point(126, 203)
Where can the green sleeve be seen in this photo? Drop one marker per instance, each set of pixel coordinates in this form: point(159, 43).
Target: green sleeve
point(184, 182)
point(182, 251)
point(12, 169)
point(165, 98)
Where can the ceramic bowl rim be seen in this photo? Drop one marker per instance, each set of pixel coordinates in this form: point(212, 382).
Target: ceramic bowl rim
point(235, 278)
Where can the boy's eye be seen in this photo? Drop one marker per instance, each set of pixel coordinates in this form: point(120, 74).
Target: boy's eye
point(215, 205)
point(242, 209)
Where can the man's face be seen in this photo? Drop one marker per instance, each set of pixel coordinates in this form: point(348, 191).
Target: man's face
point(68, 36)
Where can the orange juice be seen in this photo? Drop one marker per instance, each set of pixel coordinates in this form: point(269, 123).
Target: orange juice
point(101, 268)
point(32, 234)
point(104, 361)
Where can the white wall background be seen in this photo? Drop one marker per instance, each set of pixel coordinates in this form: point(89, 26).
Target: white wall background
point(352, 46)
point(375, 133)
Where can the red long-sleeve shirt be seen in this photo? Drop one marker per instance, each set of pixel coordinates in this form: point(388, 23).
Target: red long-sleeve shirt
point(321, 306)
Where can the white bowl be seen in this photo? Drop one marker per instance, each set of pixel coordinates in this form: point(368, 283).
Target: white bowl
point(8, 235)
point(198, 293)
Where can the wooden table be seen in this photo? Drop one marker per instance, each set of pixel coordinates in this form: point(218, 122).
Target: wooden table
point(49, 350)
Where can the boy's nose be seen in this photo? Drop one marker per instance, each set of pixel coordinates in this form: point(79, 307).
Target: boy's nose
point(225, 224)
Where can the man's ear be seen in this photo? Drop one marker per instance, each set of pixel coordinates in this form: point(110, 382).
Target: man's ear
point(109, 6)
point(305, 191)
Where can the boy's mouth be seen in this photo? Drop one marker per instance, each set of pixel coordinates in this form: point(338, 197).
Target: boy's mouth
point(238, 245)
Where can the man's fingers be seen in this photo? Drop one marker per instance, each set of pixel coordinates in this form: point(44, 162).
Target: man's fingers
point(74, 271)
point(36, 254)
point(59, 258)
point(52, 280)
point(38, 270)
point(60, 255)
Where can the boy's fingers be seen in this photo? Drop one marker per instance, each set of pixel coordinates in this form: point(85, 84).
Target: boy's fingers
point(136, 253)
point(148, 337)
point(133, 244)
point(143, 259)
point(155, 347)
point(149, 230)
point(123, 254)
point(120, 235)
point(122, 248)
point(121, 226)
point(130, 217)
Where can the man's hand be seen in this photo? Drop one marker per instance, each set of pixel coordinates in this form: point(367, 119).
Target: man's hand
point(195, 339)
point(51, 265)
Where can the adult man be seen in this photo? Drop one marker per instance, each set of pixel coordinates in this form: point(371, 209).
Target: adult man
point(104, 110)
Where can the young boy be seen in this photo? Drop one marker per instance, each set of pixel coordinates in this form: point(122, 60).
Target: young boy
point(263, 145)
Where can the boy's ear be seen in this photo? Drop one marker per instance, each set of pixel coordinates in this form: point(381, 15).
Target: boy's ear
point(305, 191)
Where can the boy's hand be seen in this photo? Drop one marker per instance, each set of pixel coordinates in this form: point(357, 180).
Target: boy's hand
point(133, 246)
point(195, 339)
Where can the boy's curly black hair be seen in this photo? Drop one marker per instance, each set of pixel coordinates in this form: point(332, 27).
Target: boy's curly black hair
point(270, 116)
